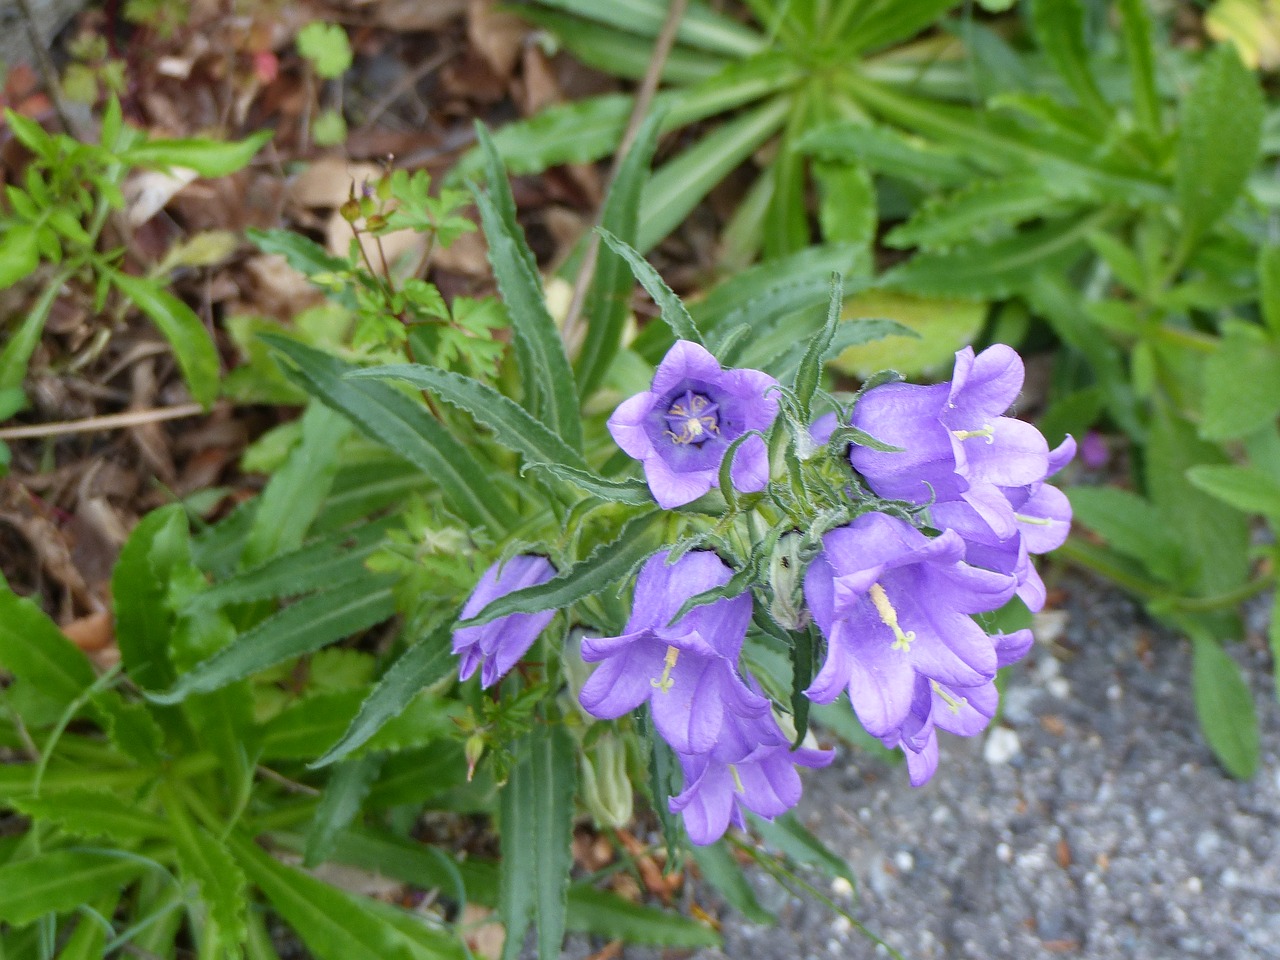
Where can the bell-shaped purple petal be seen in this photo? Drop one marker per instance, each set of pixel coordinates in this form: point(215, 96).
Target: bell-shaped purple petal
point(498, 646)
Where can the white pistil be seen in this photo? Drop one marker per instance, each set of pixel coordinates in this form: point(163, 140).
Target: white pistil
point(987, 431)
point(1038, 521)
point(666, 682)
point(737, 780)
point(952, 703)
point(889, 617)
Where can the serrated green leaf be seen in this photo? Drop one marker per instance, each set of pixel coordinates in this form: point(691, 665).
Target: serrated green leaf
point(299, 628)
point(34, 650)
point(1241, 383)
point(673, 309)
point(607, 564)
point(809, 371)
point(634, 492)
point(1224, 706)
point(978, 212)
point(303, 254)
point(701, 26)
point(306, 728)
point(339, 805)
point(1269, 286)
point(82, 812)
point(206, 861)
point(887, 152)
point(1245, 488)
point(132, 728)
point(23, 342)
point(1218, 140)
point(59, 881)
point(888, 23)
point(209, 158)
point(545, 373)
point(429, 660)
point(1136, 24)
point(1059, 28)
point(192, 345)
point(608, 300)
point(846, 203)
point(718, 868)
point(405, 428)
point(332, 924)
point(1132, 526)
point(139, 586)
point(90, 935)
point(512, 425)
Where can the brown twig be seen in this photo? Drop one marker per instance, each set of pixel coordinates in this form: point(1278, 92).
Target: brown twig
point(644, 99)
point(111, 421)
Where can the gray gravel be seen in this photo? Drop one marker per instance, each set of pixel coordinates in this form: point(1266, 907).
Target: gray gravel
point(1094, 823)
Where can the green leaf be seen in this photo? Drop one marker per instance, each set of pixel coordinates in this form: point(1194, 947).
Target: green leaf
point(1224, 705)
point(718, 868)
point(19, 254)
point(673, 310)
point(888, 23)
point(327, 47)
point(35, 651)
point(1241, 383)
point(792, 838)
point(58, 882)
point(205, 860)
point(22, 344)
point(887, 151)
point(405, 428)
point(512, 425)
point(634, 492)
point(1132, 526)
point(1059, 28)
point(139, 587)
point(536, 831)
point(1269, 284)
point(332, 924)
point(700, 27)
point(209, 158)
point(608, 300)
point(339, 805)
point(426, 662)
point(1221, 129)
point(1136, 23)
point(809, 370)
point(979, 212)
point(304, 255)
point(1245, 488)
point(681, 183)
point(608, 915)
point(545, 373)
point(924, 336)
point(192, 345)
point(82, 812)
point(89, 938)
point(300, 628)
point(847, 203)
point(607, 564)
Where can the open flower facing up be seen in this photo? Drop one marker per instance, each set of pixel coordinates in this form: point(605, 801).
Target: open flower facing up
point(500, 645)
point(681, 427)
point(894, 605)
point(957, 443)
point(686, 671)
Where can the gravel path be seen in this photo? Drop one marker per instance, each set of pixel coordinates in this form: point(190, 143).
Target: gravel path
point(1093, 824)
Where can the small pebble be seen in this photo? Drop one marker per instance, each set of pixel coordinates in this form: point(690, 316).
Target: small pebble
point(1115, 693)
point(1059, 687)
point(1004, 853)
point(1002, 746)
point(842, 888)
point(1194, 884)
point(904, 861)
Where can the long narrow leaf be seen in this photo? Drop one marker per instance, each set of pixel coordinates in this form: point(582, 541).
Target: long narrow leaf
point(673, 310)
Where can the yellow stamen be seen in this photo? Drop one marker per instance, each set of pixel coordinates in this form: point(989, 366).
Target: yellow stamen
point(889, 617)
point(952, 703)
point(665, 683)
point(737, 780)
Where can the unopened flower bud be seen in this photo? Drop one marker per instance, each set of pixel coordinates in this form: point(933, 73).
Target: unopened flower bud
point(474, 750)
point(786, 571)
point(606, 787)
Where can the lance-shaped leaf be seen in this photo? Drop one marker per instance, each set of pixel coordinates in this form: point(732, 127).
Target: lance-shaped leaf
point(186, 333)
point(59, 881)
point(1224, 705)
point(607, 564)
point(673, 310)
point(810, 369)
point(34, 650)
point(340, 805)
point(299, 628)
point(545, 373)
point(512, 425)
point(406, 428)
point(81, 812)
point(209, 158)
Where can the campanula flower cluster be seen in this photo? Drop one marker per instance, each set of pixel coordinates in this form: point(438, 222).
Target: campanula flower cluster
point(924, 539)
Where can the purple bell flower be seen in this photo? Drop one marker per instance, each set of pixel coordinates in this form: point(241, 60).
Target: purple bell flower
point(499, 645)
point(754, 769)
point(892, 604)
point(957, 444)
point(681, 427)
point(685, 671)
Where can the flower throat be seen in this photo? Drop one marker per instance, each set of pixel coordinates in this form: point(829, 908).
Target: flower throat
point(692, 418)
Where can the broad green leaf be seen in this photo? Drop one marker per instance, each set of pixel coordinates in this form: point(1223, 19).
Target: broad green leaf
point(996, 269)
point(309, 726)
point(1220, 130)
point(132, 727)
point(35, 651)
point(673, 310)
point(139, 587)
point(82, 812)
point(339, 805)
point(849, 334)
point(935, 329)
point(681, 183)
point(206, 861)
point(426, 662)
point(59, 881)
point(22, 343)
point(607, 564)
point(1059, 28)
point(792, 838)
point(296, 491)
point(889, 23)
point(1132, 526)
point(536, 838)
point(209, 158)
point(608, 300)
point(847, 203)
point(545, 373)
point(1269, 282)
point(1245, 488)
point(721, 870)
point(191, 342)
point(300, 628)
point(512, 425)
point(332, 924)
point(406, 428)
point(18, 253)
point(979, 212)
point(1224, 705)
point(700, 27)
point(887, 151)
point(1241, 383)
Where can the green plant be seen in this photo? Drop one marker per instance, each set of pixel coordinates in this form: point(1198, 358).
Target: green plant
point(328, 51)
